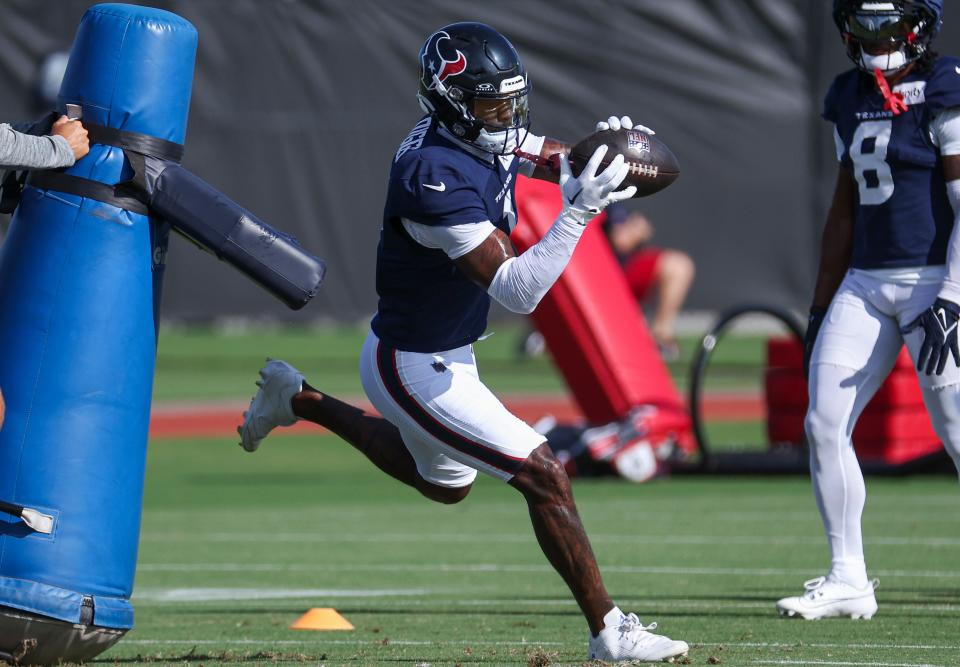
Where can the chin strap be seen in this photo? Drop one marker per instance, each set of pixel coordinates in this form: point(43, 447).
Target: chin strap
point(891, 101)
point(552, 163)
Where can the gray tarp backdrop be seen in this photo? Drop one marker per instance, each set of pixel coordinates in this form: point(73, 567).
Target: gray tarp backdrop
point(298, 106)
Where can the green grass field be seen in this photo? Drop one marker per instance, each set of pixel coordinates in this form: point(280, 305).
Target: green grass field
point(236, 546)
point(203, 364)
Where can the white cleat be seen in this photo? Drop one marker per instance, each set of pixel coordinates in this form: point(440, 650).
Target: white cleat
point(631, 640)
point(825, 598)
point(279, 382)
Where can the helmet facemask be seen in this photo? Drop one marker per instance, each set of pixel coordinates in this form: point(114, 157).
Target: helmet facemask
point(502, 120)
point(885, 36)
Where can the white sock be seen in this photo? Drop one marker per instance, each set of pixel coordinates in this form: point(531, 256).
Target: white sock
point(852, 571)
point(612, 618)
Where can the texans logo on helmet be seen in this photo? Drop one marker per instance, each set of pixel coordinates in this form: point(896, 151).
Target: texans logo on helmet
point(433, 61)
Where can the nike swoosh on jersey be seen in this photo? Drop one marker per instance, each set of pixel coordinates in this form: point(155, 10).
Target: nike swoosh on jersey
point(957, 69)
point(438, 188)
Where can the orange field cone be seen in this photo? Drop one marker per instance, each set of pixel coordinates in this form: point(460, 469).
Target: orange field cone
point(322, 618)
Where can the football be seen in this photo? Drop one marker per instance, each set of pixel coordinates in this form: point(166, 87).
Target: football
point(653, 166)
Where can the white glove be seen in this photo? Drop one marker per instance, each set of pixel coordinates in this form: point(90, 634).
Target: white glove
point(614, 123)
point(588, 194)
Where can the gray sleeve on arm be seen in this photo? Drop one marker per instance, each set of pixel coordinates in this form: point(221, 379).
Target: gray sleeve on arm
point(18, 150)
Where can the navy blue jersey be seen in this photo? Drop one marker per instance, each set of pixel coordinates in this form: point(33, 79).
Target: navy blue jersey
point(426, 303)
point(903, 216)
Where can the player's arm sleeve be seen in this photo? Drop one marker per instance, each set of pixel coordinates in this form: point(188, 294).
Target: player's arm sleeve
point(455, 240)
point(521, 282)
point(532, 144)
point(25, 151)
point(946, 130)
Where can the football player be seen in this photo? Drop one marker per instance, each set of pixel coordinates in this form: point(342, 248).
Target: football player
point(889, 267)
point(444, 252)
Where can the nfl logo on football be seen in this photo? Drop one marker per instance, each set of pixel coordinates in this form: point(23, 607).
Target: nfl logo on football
point(637, 141)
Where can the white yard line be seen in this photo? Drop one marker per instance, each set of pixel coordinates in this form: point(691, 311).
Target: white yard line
point(436, 598)
point(219, 594)
point(504, 567)
point(522, 538)
point(320, 517)
point(651, 604)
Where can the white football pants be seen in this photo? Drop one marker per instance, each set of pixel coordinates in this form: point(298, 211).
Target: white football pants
point(854, 352)
point(451, 423)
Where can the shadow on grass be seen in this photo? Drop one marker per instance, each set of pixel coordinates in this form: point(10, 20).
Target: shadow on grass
point(271, 657)
point(225, 656)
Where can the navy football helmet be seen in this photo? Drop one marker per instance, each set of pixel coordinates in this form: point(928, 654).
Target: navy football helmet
point(887, 35)
point(473, 82)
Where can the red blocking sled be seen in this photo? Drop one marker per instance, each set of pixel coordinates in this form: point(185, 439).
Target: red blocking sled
point(594, 328)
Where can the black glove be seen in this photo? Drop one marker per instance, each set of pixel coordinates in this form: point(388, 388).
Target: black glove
point(939, 323)
point(817, 313)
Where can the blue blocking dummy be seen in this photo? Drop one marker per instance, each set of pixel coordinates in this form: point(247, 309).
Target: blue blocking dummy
point(80, 288)
point(80, 279)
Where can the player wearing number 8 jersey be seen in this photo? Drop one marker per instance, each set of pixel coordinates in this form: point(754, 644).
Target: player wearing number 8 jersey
point(889, 267)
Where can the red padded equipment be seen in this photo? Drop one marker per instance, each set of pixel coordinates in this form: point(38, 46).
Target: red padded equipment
point(594, 328)
point(787, 389)
point(893, 429)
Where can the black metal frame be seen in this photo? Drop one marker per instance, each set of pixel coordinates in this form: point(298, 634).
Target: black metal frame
point(788, 460)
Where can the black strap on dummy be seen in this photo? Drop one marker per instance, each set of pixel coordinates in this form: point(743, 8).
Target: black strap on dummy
point(116, 195)
point(128, 195)
point(134, 141)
